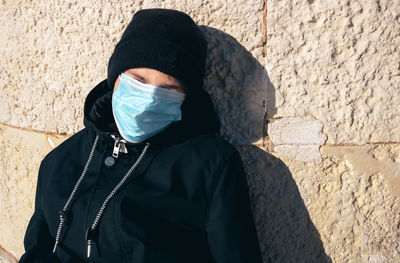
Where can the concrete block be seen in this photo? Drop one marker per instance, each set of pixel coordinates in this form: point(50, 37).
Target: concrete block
point(304, 153)
point(298, 138)
point(306, 130)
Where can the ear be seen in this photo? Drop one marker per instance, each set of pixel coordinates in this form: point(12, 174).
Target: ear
point(116, 84)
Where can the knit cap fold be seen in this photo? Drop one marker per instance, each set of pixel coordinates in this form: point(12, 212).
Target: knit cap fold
point(163, 39)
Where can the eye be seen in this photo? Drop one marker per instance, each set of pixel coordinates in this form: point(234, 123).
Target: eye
point(136, 77)
point(173, 88)
point(140, 80)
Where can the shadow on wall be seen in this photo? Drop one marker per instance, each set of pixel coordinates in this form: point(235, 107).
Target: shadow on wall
point(239, 87)
point(286, 232)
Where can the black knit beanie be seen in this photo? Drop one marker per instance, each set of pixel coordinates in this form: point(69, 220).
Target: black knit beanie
point(163, 39)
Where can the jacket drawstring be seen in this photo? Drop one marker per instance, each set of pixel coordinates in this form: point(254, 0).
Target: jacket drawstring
point(64, 218)
point(64, 212)
point(89, 239)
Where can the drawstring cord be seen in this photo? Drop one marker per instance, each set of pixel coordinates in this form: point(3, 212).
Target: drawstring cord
point(64, 212)
point(103, 206)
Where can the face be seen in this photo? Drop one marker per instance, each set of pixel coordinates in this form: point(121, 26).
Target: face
point(153, 77)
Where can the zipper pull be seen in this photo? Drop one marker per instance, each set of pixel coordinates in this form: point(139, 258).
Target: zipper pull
point(117, 146)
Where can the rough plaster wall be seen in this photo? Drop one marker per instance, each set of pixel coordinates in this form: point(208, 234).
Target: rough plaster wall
point(22, 151)
point(338, 61)
point(7, 257)
point(347, 204)
point(333, 80)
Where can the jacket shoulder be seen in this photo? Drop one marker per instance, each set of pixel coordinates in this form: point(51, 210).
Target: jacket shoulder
point(67, 147)
point(207, 153)
point(212, 145)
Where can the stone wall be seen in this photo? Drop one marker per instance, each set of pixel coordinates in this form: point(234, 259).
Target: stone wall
point(323, 163)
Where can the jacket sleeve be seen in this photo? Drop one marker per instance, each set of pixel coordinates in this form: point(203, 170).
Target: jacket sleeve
point(37, 241)
point(232, 234)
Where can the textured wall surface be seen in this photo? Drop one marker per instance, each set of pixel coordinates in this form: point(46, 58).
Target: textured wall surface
point(339, 62)
point(348, 204)
point(323, 170)
point(22, 152)
point(7, 257)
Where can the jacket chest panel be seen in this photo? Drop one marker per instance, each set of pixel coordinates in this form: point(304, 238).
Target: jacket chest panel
point(97, 184)
point(166, 220)
point(162, 209)
point(163, 205)
point(62, 181)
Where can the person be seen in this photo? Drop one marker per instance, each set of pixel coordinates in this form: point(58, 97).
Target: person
point(148, 179)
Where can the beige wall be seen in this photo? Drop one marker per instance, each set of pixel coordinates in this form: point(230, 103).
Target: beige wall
point(325, 172)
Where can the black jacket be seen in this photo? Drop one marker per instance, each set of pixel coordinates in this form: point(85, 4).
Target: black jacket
point(186, 201)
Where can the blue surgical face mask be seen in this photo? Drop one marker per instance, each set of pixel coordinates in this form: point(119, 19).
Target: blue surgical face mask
point(143, 110)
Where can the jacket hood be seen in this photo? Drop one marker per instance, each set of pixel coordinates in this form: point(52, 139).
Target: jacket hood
point(198, 117)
